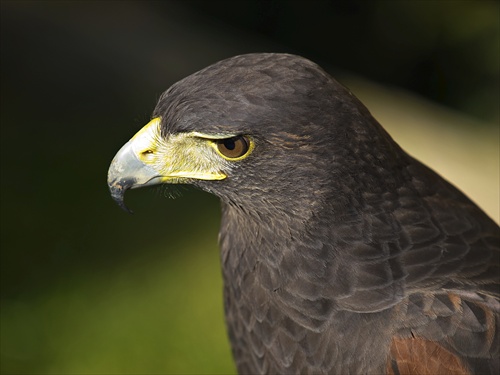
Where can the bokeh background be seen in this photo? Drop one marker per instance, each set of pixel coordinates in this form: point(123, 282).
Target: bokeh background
point(88, 289)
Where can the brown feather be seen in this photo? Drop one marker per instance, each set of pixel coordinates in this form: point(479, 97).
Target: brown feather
point(418, 356)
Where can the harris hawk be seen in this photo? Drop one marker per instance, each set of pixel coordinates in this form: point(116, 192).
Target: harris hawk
point(340, 253)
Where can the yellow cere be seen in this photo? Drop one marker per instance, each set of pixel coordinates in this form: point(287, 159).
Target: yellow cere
point(145, 141)
point(179, 156)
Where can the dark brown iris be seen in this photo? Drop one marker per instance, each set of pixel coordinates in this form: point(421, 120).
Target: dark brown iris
point(233, 148)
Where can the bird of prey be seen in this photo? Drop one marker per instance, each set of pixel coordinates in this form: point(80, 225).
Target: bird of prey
point(340, 253)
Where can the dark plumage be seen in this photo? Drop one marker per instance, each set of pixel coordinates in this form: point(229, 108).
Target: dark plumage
point(340, 252)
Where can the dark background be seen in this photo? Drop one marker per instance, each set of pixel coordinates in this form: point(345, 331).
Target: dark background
point(85, 287)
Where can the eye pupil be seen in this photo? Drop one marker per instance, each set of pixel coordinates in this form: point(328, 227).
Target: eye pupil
point(230, 144)
point(233, 148)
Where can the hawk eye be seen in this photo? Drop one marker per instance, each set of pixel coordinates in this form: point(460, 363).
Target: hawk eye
point(233, 148)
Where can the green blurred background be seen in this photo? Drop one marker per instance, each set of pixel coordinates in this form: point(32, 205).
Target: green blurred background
point(88, 289)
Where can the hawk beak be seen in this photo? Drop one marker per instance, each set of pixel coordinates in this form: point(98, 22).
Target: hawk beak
point(128, 172)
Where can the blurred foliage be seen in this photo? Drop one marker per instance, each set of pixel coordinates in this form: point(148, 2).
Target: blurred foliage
point(86, 288)
point(148, 314)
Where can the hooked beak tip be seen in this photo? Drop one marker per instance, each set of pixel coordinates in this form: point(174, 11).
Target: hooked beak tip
point(118, 190)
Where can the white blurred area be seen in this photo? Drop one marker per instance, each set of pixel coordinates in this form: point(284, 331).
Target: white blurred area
point(463, 150)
